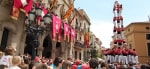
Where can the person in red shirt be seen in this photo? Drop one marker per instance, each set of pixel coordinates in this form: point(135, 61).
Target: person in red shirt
point(134, 52)
point(135, 57)
point(116, 54)
point(125, 57)
point(112, 58)
point(129, 55)
point(120, 54)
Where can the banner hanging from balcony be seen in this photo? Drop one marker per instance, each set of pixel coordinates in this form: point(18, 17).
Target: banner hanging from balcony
point(86, 40)
point(56, 28)
point(24, 5)
point(73, 35)
point(66, 31)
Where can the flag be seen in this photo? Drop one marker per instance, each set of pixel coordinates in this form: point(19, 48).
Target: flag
point(56, 28)
point(20, 4)
point(86, 39)
point(53, 3)
point(66, 31)
point(44, 11)
point(72, 19)
point(73, 35)
point(68, 12)
point(27, 7)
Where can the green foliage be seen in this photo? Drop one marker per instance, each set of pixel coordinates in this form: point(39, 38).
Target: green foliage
point(95, 53)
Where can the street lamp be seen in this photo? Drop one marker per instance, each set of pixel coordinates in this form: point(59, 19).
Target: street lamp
point(38, 10)
point(31, 15)
point(34, 28)
point(47, 18)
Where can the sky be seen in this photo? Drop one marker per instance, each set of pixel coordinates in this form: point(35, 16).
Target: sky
point(101, 15)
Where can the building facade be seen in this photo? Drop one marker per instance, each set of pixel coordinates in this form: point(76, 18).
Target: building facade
point(137, 35)
point(12, 32)
point(82, 30)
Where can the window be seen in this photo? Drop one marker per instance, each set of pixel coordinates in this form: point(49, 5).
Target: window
point(88, 29)
point(80, 56)
point(128, 30)
point(148, 46)
point(75, 54)
point(130, 46)
point(147, 28)
point(148, 36)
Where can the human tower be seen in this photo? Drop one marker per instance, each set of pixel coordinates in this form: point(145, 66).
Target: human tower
point(120, 53)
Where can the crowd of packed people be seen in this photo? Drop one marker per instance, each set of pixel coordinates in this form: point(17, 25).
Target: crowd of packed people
point(10, 61)
point(122, 55)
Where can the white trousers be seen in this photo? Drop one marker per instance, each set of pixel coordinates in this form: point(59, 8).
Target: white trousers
point(133, 59)
point(112, 59)
point(125, 60)
point(120, 58)
point(116, 58)
point(105, 58)
point(108, 58)
point(129, 58)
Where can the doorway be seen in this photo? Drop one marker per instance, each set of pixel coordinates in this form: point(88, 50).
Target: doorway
point(4, 39)
point(58, 49)
point(47, 47)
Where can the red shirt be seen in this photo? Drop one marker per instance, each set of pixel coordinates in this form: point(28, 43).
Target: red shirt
point(119, 51)
point(115, 51)
point(134, 53)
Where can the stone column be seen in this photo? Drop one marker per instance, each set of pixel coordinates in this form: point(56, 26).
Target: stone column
point(63, 48)
point(71, 50)
point(53, 49)
point(78, 53)
point(22, 43)
point(40, 47)
point(82, 54)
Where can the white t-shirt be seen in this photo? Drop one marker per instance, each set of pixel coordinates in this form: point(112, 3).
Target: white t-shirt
point(5, 60)
point(14, 67)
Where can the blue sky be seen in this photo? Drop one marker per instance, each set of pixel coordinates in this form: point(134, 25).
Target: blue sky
point(100, 14)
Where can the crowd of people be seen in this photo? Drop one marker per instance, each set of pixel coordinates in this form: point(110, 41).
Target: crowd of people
point(122, 55)
point(10, 61)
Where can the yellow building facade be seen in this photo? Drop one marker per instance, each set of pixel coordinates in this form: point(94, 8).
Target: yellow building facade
point(137, 36)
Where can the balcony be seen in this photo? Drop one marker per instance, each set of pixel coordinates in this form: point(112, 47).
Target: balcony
point(79, 44)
